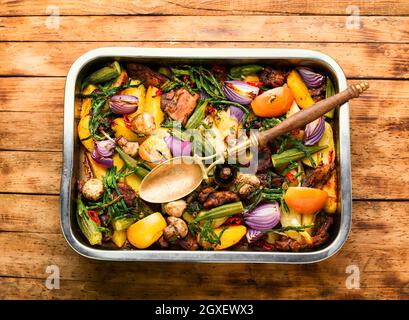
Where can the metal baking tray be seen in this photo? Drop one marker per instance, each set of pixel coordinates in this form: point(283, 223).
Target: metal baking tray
point(160, 56)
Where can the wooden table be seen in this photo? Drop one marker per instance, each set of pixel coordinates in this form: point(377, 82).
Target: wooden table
point(36, 51)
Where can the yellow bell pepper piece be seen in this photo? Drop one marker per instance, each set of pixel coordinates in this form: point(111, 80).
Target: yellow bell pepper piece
point(152, 105)
point(146, 231)
point(119, 238)
point(230, 237)
point(299, 89)
point(120, 129)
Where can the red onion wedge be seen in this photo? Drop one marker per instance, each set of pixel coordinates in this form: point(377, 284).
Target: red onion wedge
point(237, 113)
point(263, 217)
point(123, 104)
point(240, 91)
point(102, 152)
point(314, 131)
point(311, 78)
point(178, 147)
point(253, 235)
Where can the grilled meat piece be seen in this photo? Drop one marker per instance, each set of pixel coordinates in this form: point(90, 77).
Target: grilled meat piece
point(318, 94)
point(321, 234)
point(219, 198)
point(276, 180)
point(287, 244)
point(204, 194)
point(264, 159)
point(316, 178)
point(179, 104)
point(273, 77)
point(188, 243)
point(145, 74)
point(128, 193)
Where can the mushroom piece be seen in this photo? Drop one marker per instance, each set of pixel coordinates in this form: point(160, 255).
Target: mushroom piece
point(144, 124)
point(130, 148)
point(93, 189)
point(175, 208)
point(176, 229)
point(247, 183)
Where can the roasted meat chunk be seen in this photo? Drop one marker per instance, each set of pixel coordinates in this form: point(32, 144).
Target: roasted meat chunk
point(179, 104)
point(316, 178)
point(145, 74)
point(273, 77)
point(127, 192)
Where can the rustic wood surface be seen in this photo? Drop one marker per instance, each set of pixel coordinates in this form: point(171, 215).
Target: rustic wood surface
point(35, 59)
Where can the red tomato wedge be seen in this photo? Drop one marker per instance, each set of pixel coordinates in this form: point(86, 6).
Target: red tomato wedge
point(273, 103)
point(305, 200)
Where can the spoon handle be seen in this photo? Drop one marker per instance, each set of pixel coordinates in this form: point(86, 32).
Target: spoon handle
point(312, 113)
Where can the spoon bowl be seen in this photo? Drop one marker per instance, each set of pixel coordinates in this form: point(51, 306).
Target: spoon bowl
point(172, 180)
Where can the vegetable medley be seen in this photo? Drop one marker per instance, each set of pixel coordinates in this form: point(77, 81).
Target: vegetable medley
point(134, 117)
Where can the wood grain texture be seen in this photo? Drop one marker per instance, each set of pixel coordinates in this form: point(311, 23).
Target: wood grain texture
point(205, 28)
point(30, 172)
point(29, 213)
point(20, 131)
point(82, 278)
point(201, 7)
point(358, 60)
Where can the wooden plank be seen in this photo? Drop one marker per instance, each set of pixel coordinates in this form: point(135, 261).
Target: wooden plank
point(358, 60)
point(30, 172)
point(206, 28)
point(32, 94)
point(201, 7)
point(29, 213)
point(374, 246)
point(25, 288)
point(21, 131)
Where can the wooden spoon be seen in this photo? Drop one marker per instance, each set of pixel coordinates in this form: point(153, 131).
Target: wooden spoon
point(178, 177)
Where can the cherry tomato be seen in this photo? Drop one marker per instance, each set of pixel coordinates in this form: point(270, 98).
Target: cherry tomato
point(305, 200)
point(273, 103)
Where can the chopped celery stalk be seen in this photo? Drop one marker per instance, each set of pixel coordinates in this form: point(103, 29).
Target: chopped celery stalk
point(105, 74)
point(123, 223)
point(329, 92)
point(132, 163)
point(226, 210)
point(294, 154)
point(88, 227)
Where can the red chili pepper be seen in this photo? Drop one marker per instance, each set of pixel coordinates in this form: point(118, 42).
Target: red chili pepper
point(255, 83)
point(331, 156)
point(290, 177)
point(264, 245)
point(233, 221)
point(158, 92)
point(94, 216)
point(209, 110)
point(127, 121)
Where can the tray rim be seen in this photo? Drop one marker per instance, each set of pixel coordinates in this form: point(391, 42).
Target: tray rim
point(204, 256)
